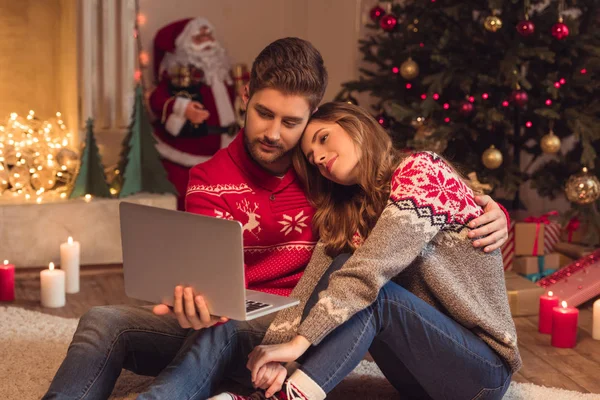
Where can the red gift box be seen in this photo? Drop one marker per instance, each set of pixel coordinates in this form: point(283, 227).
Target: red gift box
point(577, 282)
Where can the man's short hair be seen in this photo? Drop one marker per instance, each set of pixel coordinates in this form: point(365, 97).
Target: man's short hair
point(292, 66)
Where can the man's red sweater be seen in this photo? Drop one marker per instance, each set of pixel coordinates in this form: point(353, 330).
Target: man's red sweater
point(275, 214)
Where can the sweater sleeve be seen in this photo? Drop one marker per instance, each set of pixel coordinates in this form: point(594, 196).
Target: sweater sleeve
point(198, 200)
point(284, 326)
point(426, 196)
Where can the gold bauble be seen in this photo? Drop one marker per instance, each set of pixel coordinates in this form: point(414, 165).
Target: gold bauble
point(582, 188)
point(492, 23)
point(492, 158)
point(19, 177)
point(69, 158)
point(550, 143)
point(43, 178)
point(409, 69)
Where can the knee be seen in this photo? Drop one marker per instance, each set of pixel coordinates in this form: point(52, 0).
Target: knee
point(391, 291)
point(100, 324)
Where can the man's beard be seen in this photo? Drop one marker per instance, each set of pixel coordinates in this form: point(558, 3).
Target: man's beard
point(260, 156)
point(211, 58)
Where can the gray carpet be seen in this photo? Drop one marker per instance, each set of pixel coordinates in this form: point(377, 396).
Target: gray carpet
point(32, 346)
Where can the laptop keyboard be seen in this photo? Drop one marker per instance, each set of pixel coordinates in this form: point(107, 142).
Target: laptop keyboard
point(255, 305)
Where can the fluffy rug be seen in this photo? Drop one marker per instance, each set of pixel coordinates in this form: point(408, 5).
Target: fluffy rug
point(32, 346)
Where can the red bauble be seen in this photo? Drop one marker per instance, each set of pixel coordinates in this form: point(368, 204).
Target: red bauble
point(376, 13)
point(383, 120)
point(520, 98)
point(560, 30)
point(466, 108)
point(388, 22)
point(526, 28)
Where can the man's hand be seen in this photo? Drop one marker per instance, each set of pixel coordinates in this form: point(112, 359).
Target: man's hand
point(284, 352)
point(196, 113)
point(190, 309)
point(491, 224)
point(270, 377)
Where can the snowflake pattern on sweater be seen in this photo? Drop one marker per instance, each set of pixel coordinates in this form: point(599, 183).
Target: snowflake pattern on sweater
point(420, 242)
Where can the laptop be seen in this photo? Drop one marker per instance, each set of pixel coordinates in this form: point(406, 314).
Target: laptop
point(165, 248)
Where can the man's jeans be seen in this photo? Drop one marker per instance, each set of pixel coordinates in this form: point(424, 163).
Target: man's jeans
point(421, 351)
point(189, 364)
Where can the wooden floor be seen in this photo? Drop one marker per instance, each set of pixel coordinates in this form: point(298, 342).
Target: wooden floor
point(574, 369)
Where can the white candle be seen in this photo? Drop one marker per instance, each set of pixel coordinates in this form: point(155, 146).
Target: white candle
point(52, 287)
point(596, 329)
point(69, 262)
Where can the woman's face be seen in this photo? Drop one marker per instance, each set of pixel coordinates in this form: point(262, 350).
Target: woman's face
point(331, 149)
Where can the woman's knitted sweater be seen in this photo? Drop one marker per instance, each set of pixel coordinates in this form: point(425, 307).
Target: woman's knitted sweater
point(420, 241)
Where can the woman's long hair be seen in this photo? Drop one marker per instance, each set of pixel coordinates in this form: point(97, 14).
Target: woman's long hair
point(344, 210)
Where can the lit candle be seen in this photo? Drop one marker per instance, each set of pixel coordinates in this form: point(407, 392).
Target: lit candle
point(596, 330)
point(52, 287)
point(7, 282)
point(564, 326)
point(69, 262)
point(547, 303)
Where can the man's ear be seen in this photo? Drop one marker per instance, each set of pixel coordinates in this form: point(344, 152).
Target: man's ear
point(246, 95)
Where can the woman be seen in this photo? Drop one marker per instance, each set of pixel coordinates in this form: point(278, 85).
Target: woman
point(442, 328)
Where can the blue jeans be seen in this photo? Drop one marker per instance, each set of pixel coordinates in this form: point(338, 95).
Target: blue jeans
point(422, 352)
point(111, 338)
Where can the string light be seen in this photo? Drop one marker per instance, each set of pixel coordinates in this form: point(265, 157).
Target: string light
point(436, 96)
point(528, 124)
point(423, 96)
point(562, 81)
point(446, 106)
point(395, 70)
point(409, 86)
point(472, 99)
point(583, 71)
point(557, 85)
point(485, 96)
point(548, 102)
point(505, 103)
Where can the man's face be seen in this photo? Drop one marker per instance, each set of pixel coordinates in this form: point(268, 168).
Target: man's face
point(204, 35)
point(274, 125)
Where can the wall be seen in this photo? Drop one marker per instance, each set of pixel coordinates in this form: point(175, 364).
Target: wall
point(246, 27)
point(37, 70)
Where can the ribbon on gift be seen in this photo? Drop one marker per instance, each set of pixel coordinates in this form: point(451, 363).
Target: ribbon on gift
point(571, 227)
point(542, 219)
point(536, 277)
point(541, 262)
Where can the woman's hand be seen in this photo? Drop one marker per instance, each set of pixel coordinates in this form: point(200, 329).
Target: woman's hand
point(289, 351)
point(270, 377)
point(491, 226)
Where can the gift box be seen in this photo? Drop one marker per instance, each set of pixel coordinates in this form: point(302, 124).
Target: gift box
point(536, 236)
point(577, 232)
point(564, 260)
point(573, 250)
point(576, 283)
point(526, 265)
point(523, 295)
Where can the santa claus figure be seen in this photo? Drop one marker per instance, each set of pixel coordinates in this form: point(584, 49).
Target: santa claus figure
point(194, 99)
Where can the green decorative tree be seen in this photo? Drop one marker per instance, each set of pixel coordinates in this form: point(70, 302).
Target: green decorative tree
point(90, 178)
point(140, 164)
point(460, 76)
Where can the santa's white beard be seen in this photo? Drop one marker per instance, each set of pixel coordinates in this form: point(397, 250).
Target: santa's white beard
point(211, 58)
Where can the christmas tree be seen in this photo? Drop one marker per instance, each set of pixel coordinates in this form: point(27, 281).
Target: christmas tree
point(90, 178)
point(482, 81)
point(140, 164)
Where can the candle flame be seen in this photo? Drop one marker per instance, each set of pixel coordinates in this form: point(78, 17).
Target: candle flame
point(550, 293)
point(70, 240)
point(564, 304)
point(5, 262)
point(51, 266)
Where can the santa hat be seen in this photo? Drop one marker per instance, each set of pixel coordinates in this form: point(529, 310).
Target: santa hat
point(175, 34)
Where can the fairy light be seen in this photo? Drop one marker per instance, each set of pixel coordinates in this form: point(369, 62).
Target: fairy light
point(548, 102)
point(505, 103)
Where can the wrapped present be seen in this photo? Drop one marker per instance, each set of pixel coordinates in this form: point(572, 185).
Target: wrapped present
point(577, 232)
point(539, 275)
point(536, 236)
point(508, 248)
point(526, 265)
point(564, 260)
point(578, 282)
point(523, 295)
point(573, 250)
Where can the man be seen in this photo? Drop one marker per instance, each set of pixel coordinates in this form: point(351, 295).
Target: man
point(250, 181)
point(194, 98)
